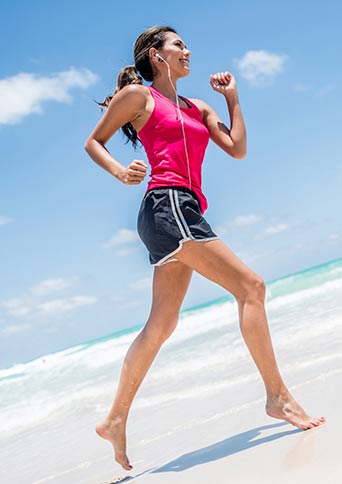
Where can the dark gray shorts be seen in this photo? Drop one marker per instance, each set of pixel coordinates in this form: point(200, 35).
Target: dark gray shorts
point(168, 217)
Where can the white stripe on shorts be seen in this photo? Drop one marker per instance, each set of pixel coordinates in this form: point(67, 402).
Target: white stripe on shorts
point(174, 211)
point(182, 216)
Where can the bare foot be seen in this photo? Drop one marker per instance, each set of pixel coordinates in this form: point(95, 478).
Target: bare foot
point(115, 432)
point(286, 408)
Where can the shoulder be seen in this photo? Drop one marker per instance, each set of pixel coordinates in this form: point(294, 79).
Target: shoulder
point(204, 108)
point(135, 89)
point(198, 102)
point(135, 94)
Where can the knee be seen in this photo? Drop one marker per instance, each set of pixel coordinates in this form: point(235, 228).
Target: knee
point(254, 289)
point(157, 331)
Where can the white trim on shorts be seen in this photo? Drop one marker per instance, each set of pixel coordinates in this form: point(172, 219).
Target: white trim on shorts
point(164, 261)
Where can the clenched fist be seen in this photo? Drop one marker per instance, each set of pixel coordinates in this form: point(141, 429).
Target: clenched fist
point(134, 173)
point(222, 82)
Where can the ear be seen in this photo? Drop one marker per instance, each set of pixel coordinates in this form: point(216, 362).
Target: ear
point(152, 54)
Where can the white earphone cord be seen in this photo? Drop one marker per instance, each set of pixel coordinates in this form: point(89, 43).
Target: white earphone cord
point(182, 123)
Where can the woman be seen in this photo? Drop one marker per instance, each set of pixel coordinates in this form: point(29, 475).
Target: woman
point(175, 132)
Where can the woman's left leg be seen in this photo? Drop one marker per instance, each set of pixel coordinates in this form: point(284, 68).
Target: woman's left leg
point(215, 261)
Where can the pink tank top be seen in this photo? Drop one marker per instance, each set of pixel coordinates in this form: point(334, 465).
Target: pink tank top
point(162, 137)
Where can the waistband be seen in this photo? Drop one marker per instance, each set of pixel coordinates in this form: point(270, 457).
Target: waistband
point(174, 187)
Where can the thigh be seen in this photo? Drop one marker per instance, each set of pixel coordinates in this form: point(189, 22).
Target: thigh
point(215, 261)
point(170, 283)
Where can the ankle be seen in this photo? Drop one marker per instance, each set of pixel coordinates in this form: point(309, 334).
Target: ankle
point(279, 392)
point(115, 419)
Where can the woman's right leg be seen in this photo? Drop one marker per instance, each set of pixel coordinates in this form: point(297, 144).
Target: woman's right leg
point(170, 283)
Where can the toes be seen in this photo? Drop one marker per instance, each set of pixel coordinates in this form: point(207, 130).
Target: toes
point(124, 462)
point(307, 425)
point(127, 466)
point(318, 421)
point(315, 423)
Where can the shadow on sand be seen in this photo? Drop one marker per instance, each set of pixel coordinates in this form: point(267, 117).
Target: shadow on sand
point(231, 445)
point(225, 448)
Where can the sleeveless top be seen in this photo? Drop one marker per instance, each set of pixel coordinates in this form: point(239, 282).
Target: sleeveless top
point(162, 138)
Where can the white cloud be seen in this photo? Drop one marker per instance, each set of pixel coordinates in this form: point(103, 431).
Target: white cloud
point(301, 87)
point(24, 94)
point(126, 251)
point(124, 236)
point(239, 221)
point(260, 67)
point(324, 90)
point(333, 237)
point(52, 285)
point(16, 306)
point(64, 305)
point(125, 301)
point(243, 220)
point(276, 229)
point(16, 328)
point(142, 284)
point(320, 92)
point(220, 230)
point(254, 256)
point(273, 230)
point(34, 303)
point(4, 220)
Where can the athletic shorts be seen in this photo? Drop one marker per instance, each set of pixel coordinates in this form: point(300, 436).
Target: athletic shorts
point(169, 216)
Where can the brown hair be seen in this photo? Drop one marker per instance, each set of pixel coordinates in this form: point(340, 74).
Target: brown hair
point(152, 37)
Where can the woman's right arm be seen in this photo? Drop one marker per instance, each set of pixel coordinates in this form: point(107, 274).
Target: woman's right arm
point(126, 105)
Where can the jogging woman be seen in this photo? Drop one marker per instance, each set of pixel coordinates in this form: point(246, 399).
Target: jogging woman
point(175, 132)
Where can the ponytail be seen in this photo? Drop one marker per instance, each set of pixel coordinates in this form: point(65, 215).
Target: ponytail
point(127, 75)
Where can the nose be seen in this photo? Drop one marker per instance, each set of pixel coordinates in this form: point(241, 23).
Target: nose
point(187, 52)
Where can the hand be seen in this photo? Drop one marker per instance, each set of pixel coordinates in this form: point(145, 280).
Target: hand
point(223, 82)
point(134, 173)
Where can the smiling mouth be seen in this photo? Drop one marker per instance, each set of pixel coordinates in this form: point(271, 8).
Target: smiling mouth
point(185, 61)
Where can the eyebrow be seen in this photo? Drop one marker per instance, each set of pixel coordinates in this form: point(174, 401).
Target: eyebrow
point(179, 40)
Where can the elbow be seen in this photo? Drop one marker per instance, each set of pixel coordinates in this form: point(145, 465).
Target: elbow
point(240, 155)
point(240, 151)
point(86, 145)
point(91, 143)
point(236, 149)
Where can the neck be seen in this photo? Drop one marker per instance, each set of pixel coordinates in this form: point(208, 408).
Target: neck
point(164, 86)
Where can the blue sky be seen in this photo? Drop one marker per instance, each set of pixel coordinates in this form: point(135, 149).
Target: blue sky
point(72, 265)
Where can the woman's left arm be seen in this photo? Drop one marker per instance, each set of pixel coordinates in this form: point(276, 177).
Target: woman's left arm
point(233, 140)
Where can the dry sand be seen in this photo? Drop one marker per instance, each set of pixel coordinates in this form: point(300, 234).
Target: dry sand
point(249, 447)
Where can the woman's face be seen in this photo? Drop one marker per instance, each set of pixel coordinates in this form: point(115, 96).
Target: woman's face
point(174, 51)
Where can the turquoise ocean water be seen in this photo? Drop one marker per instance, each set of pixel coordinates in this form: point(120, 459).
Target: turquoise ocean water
point(53, 402)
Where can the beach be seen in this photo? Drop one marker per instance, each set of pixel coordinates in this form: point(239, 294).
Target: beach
point(199, 415)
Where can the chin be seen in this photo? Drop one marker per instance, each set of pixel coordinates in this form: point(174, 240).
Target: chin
point(185, 73)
